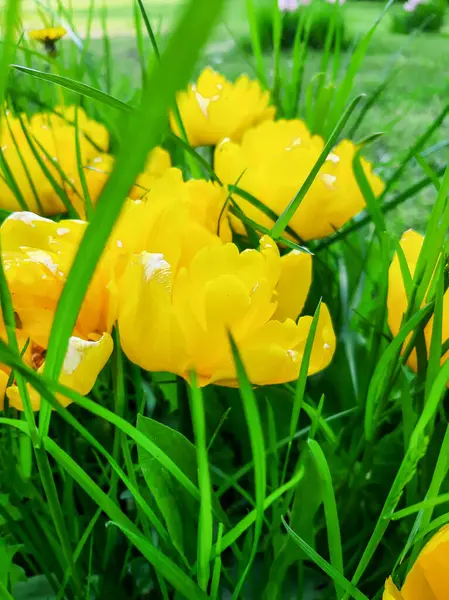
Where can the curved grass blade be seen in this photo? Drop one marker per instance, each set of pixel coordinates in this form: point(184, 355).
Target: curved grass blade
point(77, 86)
point(178, 60)
point(288, 213)
point(338, 578)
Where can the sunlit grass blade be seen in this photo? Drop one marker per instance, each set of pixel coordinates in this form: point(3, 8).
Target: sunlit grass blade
point(285, 217)
point(256, 437)
point(10, 12)
point(177, 62)
point(251, 12)
point(205, 527)
point(346, 86)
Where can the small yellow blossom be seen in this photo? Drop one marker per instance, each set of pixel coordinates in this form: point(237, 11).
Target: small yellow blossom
point(56, 134)
point(48, 37)
point(97, 173)
point(273, 160)
point(177, 318)
point(214, 108)
point(37, 255)
point(411, 244)
point(428, 578)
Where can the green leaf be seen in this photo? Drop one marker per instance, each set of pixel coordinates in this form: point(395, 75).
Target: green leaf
point(178, 507)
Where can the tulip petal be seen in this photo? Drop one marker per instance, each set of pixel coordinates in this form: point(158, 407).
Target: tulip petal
point(428, 577)
point(391, 592)
point(148, 331)
point(3, 383)
point(294, 284)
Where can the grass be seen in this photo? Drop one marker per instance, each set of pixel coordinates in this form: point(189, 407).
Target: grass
point(153, 487)
point(402, 112)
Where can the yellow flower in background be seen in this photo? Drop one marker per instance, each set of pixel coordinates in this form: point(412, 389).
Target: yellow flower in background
point(178, 318)
point(429, 577)
point(48, 37)
point(214, 108)
point(53, 137)
point(37, 254)
point(273, 160)
point(98, 171)
point(411, 244)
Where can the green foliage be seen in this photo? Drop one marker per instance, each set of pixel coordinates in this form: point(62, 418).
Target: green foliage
point(425, 16)
point(314, 23)
point(155, 488)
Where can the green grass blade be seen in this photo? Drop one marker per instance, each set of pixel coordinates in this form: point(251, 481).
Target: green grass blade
point(256, 436)
point(251, 12)
point(330, 510)
point(338, 578)
point(205, 527)
point(285, 217)
point(177, 62)
point(77, 86)
point(353, 68)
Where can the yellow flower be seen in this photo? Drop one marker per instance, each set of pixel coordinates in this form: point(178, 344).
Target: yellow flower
point(98, 171)
point(48, 37)
point(36, 273)
point(273, 161)
point(178, 318)
point(57, 136)
point(214, 108)
point(411, 244)
point(428, 578)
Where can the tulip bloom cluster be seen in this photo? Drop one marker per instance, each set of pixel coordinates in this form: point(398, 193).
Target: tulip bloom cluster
point(171, 276)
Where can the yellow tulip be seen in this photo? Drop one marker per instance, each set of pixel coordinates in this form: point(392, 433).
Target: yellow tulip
point(56, 134)
point(273, 160)
point(411, 244)
point(177, 318)
point(98, 171)
point(176, 218)
point(428, 578)
point(36, 274)
point(214, 108)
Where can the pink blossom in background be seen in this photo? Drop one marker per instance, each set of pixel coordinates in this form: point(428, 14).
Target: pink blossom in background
point(288, 5)
point(339, 2)
point(305, 2)
point(410, 5)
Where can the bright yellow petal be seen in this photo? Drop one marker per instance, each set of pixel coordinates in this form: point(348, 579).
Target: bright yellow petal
point(83, 362)
point(391, 592)
point(294, 284)
point(3, 382)
point(411, 244)
point(428, 578)
point(148, 332)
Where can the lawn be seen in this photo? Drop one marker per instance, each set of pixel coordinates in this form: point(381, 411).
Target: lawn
point(413, 99)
